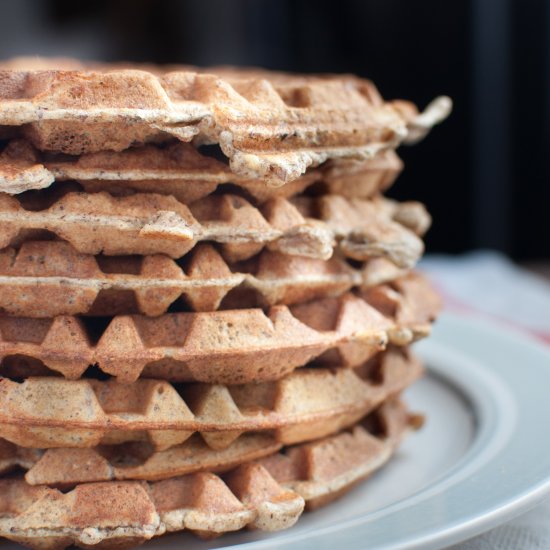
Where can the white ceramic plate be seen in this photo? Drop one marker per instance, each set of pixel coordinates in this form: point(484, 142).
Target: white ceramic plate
point(482, 457)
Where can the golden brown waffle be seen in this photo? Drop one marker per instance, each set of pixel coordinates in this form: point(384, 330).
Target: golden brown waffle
point(304, 405)
point(139, 460)
point(269, 494)
point(150, 224)
point(136, 461)
point(270, 125)
point(182, 171)
point(229, 347)
point(67, 467)
point(45, 279)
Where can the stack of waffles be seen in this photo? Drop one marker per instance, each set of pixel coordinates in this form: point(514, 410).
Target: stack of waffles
point(206, 302)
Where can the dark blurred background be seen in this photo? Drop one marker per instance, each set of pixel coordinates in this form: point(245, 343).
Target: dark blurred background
point(483, 173)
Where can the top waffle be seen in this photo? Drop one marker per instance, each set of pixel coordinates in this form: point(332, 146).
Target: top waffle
point(270, 125)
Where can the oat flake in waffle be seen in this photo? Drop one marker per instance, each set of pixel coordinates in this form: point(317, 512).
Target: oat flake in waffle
point(268, 494)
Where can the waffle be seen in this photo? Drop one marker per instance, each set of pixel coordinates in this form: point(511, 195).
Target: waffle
point(304, 405)
point(268, 494)
point(180, 170)
point(420, 306)
point(150, 224)
point(270, 125)
point(229, 347)
point(45, 279)
point(206, 304)
point(66, 467)
point(374, 228)
point(13, 457)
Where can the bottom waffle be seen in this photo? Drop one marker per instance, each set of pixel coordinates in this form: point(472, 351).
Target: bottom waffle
point(269, 494)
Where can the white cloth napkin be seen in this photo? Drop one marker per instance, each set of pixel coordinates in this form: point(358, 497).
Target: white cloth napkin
point(487, 283)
